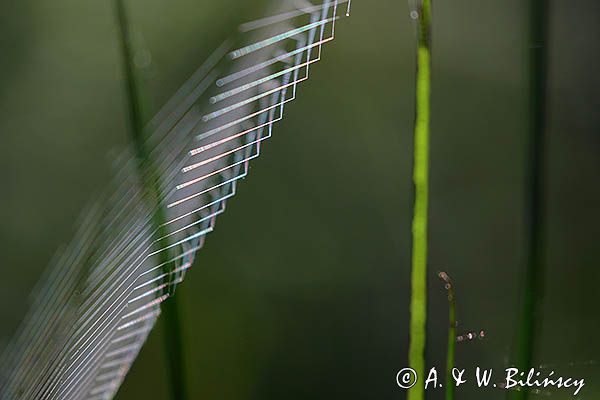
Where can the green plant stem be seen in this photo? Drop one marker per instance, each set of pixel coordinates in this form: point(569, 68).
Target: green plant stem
point(418, 304)
point(530, 314)
point(152, 194)
point(450, 351)
point(451, 334)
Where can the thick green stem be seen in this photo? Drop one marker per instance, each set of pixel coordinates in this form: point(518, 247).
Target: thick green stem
point(151, 184)
point(418, 304)
point(530, 314)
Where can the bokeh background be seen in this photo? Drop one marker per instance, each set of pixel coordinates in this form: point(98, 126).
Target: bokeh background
point(303, 290)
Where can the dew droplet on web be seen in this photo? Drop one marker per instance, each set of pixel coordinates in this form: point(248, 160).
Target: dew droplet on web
point(472, 335)
point(414, 14)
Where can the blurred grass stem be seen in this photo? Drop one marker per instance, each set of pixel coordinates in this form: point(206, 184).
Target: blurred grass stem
point(530, 313)
point(150, 181)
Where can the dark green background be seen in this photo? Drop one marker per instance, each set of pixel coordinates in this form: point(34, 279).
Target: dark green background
point(303, 290)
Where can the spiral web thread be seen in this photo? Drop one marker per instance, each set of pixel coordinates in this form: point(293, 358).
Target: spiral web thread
point(101, 296)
